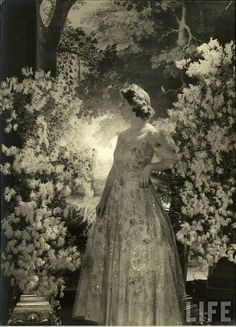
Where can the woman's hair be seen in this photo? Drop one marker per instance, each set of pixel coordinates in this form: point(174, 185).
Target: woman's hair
point(139, 100)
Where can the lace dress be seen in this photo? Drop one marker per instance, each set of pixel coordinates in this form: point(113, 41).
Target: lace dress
point(130, 271)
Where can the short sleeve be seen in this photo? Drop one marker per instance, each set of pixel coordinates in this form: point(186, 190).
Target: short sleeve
point(161, 146)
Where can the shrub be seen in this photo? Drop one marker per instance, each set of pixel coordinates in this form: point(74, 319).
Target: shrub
point(204, 118)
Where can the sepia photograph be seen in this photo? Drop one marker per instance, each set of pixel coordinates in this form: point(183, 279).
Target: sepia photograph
point(118, 162)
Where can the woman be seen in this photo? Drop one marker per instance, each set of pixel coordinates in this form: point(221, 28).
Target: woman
point(130, 272)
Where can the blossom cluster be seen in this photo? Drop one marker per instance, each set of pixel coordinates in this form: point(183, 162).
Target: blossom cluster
point(37, 251)
point(204, 119)
point(39, 100)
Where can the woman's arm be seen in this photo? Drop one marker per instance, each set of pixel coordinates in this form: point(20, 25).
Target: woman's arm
point(162, 165)
point(165, 151)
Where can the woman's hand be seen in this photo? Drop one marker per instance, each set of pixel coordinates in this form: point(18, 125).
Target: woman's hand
point(101, 207)
point(145, 176)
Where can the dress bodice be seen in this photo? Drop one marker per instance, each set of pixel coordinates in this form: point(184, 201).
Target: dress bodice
point(131, 156)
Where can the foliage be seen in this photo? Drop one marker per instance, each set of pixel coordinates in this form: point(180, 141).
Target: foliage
point(77, 41)
point(77, 55)
point(101, 81)
point(204, 119)
point(90, 69)
point(146, 36)
point(38, 249)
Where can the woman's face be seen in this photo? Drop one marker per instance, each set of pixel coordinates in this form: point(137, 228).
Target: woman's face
point(126, 111)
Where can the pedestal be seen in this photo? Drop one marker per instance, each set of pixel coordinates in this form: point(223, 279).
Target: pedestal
point(221, 290)
point(33, 310)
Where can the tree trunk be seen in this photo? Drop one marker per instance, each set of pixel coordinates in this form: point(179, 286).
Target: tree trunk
point(49, 36)
point(182, 24)
point(184, 33)
point(47, 58)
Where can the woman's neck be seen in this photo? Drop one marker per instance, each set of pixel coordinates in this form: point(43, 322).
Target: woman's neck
point(137, 124)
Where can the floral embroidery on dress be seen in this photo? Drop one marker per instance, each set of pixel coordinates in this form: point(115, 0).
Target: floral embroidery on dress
point(132, 221)
point(100, 228)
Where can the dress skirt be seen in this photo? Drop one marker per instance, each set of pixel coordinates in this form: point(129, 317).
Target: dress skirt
point(130, 272)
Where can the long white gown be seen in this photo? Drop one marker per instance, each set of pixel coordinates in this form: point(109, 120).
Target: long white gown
point(130, 272)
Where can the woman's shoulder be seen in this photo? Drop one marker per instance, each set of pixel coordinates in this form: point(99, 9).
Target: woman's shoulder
point(123, 134)
point(156, 136)
point(152, 131)
point(156, 132)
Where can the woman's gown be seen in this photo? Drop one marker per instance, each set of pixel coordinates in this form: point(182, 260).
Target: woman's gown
point(130, 271)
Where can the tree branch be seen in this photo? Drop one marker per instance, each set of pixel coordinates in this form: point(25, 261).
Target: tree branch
point(228, 5)
point(176, 17)
point(184, 27)
point(49, 36)
point(190, 36)
point(174, 91)
point(170, 32)
point(68, 50)
point(58, 19)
